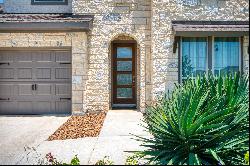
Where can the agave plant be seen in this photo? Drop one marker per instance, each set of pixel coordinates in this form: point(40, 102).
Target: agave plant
point(202, 122)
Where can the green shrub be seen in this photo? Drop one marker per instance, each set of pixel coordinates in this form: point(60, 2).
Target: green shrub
point(132, 160)
point(247, 158)
point(75, 161)
point(53, 161)
point(105, 161)
point(204, 121)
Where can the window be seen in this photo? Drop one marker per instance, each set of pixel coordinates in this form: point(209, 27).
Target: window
point(1, 1)
point(221, 55)
point(49, 2)
point(194, 56)
point(226, 55)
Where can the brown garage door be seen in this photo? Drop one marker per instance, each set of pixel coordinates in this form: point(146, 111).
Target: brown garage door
point(35, 82)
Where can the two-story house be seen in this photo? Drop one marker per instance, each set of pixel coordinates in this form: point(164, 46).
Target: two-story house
point(78, 56)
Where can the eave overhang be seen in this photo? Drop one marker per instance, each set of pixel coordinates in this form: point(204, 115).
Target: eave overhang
point(208, 28)
point(45, 23)
point(211, 28)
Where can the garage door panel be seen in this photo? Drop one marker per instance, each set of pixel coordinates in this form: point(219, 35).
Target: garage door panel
point(6, 73)
point(62, 107)
point(44, 107)
point(63, 89)
point(43, 56)
point(25, 107)
point(62, 57)
point(23, 56)
point(6, 56)
point(44, 89)
point(63, 73)
point(6, 90)
point(8, 107)
point(43, 73)
point(25, 90)
point(24, 73)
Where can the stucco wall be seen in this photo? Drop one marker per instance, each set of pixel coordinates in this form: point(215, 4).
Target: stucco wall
point(114, 18)
point(165, 63)
point(77, 42)
point(24, 6)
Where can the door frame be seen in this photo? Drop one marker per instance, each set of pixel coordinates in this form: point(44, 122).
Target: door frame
point(132, 43)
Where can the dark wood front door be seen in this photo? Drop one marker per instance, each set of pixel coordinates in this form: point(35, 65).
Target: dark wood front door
point(124, 73)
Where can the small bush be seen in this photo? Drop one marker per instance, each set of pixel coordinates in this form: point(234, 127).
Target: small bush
point(105, 161)
point(132, 160)
point(247, 158)
point(204, 121)
point(53, 161)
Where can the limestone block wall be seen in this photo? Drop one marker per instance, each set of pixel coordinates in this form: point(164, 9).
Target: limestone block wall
point(246, 54)
point(165, 62)
point(113, 18)
point(24, 6)
point(77, 42)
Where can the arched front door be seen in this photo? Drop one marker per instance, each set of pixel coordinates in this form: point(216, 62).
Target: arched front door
point(124, 74)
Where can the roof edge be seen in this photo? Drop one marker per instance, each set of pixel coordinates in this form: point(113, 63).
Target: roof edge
point(185, 22)
point(46, 27)
point(66, 22)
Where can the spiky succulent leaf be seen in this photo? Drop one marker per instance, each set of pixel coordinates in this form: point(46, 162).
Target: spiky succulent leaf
point(204, 121)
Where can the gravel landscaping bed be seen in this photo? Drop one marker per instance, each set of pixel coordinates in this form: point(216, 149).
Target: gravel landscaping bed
point(79, 127)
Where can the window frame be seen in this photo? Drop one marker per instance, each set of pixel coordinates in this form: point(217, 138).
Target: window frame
point(34, 2)
point(210, 54)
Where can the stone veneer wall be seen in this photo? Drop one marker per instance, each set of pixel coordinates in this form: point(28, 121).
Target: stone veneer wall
point(165, 63)
point(78, 44)
point(146, 21)
point(246, 54)
point(113, 18)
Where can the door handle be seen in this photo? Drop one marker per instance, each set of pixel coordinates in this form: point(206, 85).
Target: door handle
point(134, 78)
point(3, 99)
point(5, 63)
point(33, 86)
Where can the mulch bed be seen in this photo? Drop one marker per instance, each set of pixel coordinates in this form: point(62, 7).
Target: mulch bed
point(88, 125)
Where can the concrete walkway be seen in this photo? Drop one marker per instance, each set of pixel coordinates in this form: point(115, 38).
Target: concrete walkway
point(114, 141)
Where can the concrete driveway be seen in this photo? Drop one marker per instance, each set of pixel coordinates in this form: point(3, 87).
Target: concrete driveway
point(114, 141)
point(18, 133)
